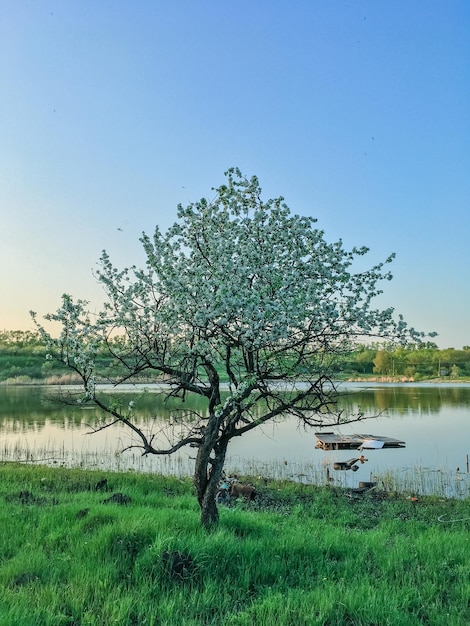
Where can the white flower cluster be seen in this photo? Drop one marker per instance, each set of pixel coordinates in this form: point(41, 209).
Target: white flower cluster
point(236, 284)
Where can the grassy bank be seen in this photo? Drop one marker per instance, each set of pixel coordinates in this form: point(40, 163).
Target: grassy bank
point(299, 555)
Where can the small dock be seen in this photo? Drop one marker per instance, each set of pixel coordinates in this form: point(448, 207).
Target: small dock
point(334, 441)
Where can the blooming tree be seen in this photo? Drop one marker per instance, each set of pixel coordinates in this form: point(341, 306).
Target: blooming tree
point(241, 303)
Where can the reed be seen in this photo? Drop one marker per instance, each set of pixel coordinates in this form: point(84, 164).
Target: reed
point(416, 480)
point(420, 480)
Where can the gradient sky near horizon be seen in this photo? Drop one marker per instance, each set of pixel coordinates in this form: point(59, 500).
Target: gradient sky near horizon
point(357, 112)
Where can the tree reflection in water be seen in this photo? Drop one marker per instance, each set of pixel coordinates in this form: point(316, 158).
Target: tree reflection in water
point(434, 420)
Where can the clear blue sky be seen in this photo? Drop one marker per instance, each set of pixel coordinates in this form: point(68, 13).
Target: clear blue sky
point(357, 112)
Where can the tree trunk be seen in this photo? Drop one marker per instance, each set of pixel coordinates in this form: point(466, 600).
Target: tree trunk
point(209, 510)
point(207, 475)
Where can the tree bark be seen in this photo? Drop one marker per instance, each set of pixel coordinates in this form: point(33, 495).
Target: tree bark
point(207, 474)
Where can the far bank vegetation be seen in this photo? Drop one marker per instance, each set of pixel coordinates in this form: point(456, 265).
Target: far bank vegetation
point(23, 361)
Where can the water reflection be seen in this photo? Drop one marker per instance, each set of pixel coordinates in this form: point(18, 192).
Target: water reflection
point(434, 420)
point(404, 399)
point(28, 407)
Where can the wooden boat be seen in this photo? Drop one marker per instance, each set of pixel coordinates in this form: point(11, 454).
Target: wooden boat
point(335, 441)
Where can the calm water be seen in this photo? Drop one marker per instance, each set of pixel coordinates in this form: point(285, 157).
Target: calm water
point(433, 420)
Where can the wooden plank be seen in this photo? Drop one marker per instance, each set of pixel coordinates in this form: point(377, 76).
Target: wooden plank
point(336, 441)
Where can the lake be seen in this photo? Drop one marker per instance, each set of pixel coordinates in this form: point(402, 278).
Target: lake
point(433, 420)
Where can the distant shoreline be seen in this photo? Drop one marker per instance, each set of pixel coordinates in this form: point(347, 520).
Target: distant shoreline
point(163, 386)
point(404, 379)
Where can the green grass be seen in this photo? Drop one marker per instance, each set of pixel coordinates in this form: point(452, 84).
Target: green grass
point(299, 555)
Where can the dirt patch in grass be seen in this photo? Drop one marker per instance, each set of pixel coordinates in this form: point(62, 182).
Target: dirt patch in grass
point(179, 565)
point(118, 498)
point(23, 579)
point(27, 498)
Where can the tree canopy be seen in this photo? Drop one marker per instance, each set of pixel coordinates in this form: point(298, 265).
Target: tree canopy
point(240, 302)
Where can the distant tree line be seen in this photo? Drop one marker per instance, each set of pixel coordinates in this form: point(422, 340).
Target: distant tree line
point(23, 359)
point(416, 362)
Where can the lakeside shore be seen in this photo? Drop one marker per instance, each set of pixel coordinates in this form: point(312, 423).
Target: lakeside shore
point(67, 380)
